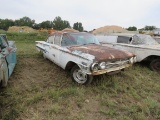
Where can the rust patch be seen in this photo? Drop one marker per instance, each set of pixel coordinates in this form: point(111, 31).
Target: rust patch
point(102, 53)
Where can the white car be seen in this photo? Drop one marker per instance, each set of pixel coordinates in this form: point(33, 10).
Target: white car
point(143, 46)
point(81, 53)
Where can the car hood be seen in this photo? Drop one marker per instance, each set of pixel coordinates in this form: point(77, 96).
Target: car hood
point(100, 53)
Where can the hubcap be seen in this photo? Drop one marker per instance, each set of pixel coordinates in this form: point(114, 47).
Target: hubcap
point(79, 76)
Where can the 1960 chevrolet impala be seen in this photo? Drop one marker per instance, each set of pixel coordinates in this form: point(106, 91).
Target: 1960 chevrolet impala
point(81, 53)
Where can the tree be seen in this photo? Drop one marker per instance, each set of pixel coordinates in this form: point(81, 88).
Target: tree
point(149, 27)
point(78, 26)
point(25, 21)
point(59, 24)
point(4, 24)
point(66, 24)
point(36, 26)
point(132, 28)
point(46, 24)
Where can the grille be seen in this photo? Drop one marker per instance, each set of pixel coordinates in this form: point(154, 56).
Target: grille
point(116, 64)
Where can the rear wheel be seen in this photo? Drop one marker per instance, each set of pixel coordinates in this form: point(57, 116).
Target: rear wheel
point(80, 77)
point(155, 65)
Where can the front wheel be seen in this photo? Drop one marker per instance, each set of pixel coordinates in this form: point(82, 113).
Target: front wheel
point(80, 77)
point(155, 65)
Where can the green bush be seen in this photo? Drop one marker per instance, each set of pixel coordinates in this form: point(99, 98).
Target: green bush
point(2, 31)
point(26, 36)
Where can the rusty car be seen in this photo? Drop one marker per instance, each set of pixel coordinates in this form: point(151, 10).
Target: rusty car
point(81, 53)
point(7, 59)
point(145, 47)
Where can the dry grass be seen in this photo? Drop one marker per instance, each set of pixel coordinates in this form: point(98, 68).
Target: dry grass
point(40, 90)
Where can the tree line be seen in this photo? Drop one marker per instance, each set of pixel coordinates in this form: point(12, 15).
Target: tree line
point(133, 28)
point(58, 24)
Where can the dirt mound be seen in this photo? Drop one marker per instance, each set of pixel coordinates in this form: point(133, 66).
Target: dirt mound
point(109, 29)
point(69, 30)
point(21, 29)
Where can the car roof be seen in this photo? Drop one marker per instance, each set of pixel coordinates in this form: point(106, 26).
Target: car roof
point(62, 32)
point(131, 35)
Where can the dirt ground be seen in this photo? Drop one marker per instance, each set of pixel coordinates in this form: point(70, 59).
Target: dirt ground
point(39, 89)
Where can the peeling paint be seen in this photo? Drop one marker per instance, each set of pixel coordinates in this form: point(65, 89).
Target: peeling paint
point(101, 53)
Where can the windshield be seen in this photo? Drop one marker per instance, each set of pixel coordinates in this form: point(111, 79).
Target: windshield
point(78, 39)
point(143, 39)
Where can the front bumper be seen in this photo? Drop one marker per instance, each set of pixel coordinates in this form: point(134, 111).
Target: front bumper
point(110, 69)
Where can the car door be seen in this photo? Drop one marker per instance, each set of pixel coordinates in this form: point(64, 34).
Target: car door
point(47, 47)
point(139, 51)
point(124, 43)
point(55, 48)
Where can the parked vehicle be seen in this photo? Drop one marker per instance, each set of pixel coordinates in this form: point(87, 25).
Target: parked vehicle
point(81, 53)
point(7, 59)
point(143, 46)
point(156, 32)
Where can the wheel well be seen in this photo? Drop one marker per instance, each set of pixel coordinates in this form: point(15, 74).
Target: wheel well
point(69, 65)
point(152, 57)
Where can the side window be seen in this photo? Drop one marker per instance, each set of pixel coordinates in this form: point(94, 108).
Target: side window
point(68, 40)
point(136, 40)
point(5, 38)
point(123, 39)
point(50, 39)
point(3, 43)
point(57, 40)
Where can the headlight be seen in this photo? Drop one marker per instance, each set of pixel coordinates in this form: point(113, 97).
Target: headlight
point(94, 67)
point(102, 65)
point(131, 60)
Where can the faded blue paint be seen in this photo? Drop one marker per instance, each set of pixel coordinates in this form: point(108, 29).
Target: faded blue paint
point(11, 60)
point(7, 58)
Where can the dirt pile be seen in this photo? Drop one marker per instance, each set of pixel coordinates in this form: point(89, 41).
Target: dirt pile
point(21, 29)
point(69, 30)
point(109, 29)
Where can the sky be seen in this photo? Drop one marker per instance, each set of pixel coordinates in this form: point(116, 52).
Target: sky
point(91, 13)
